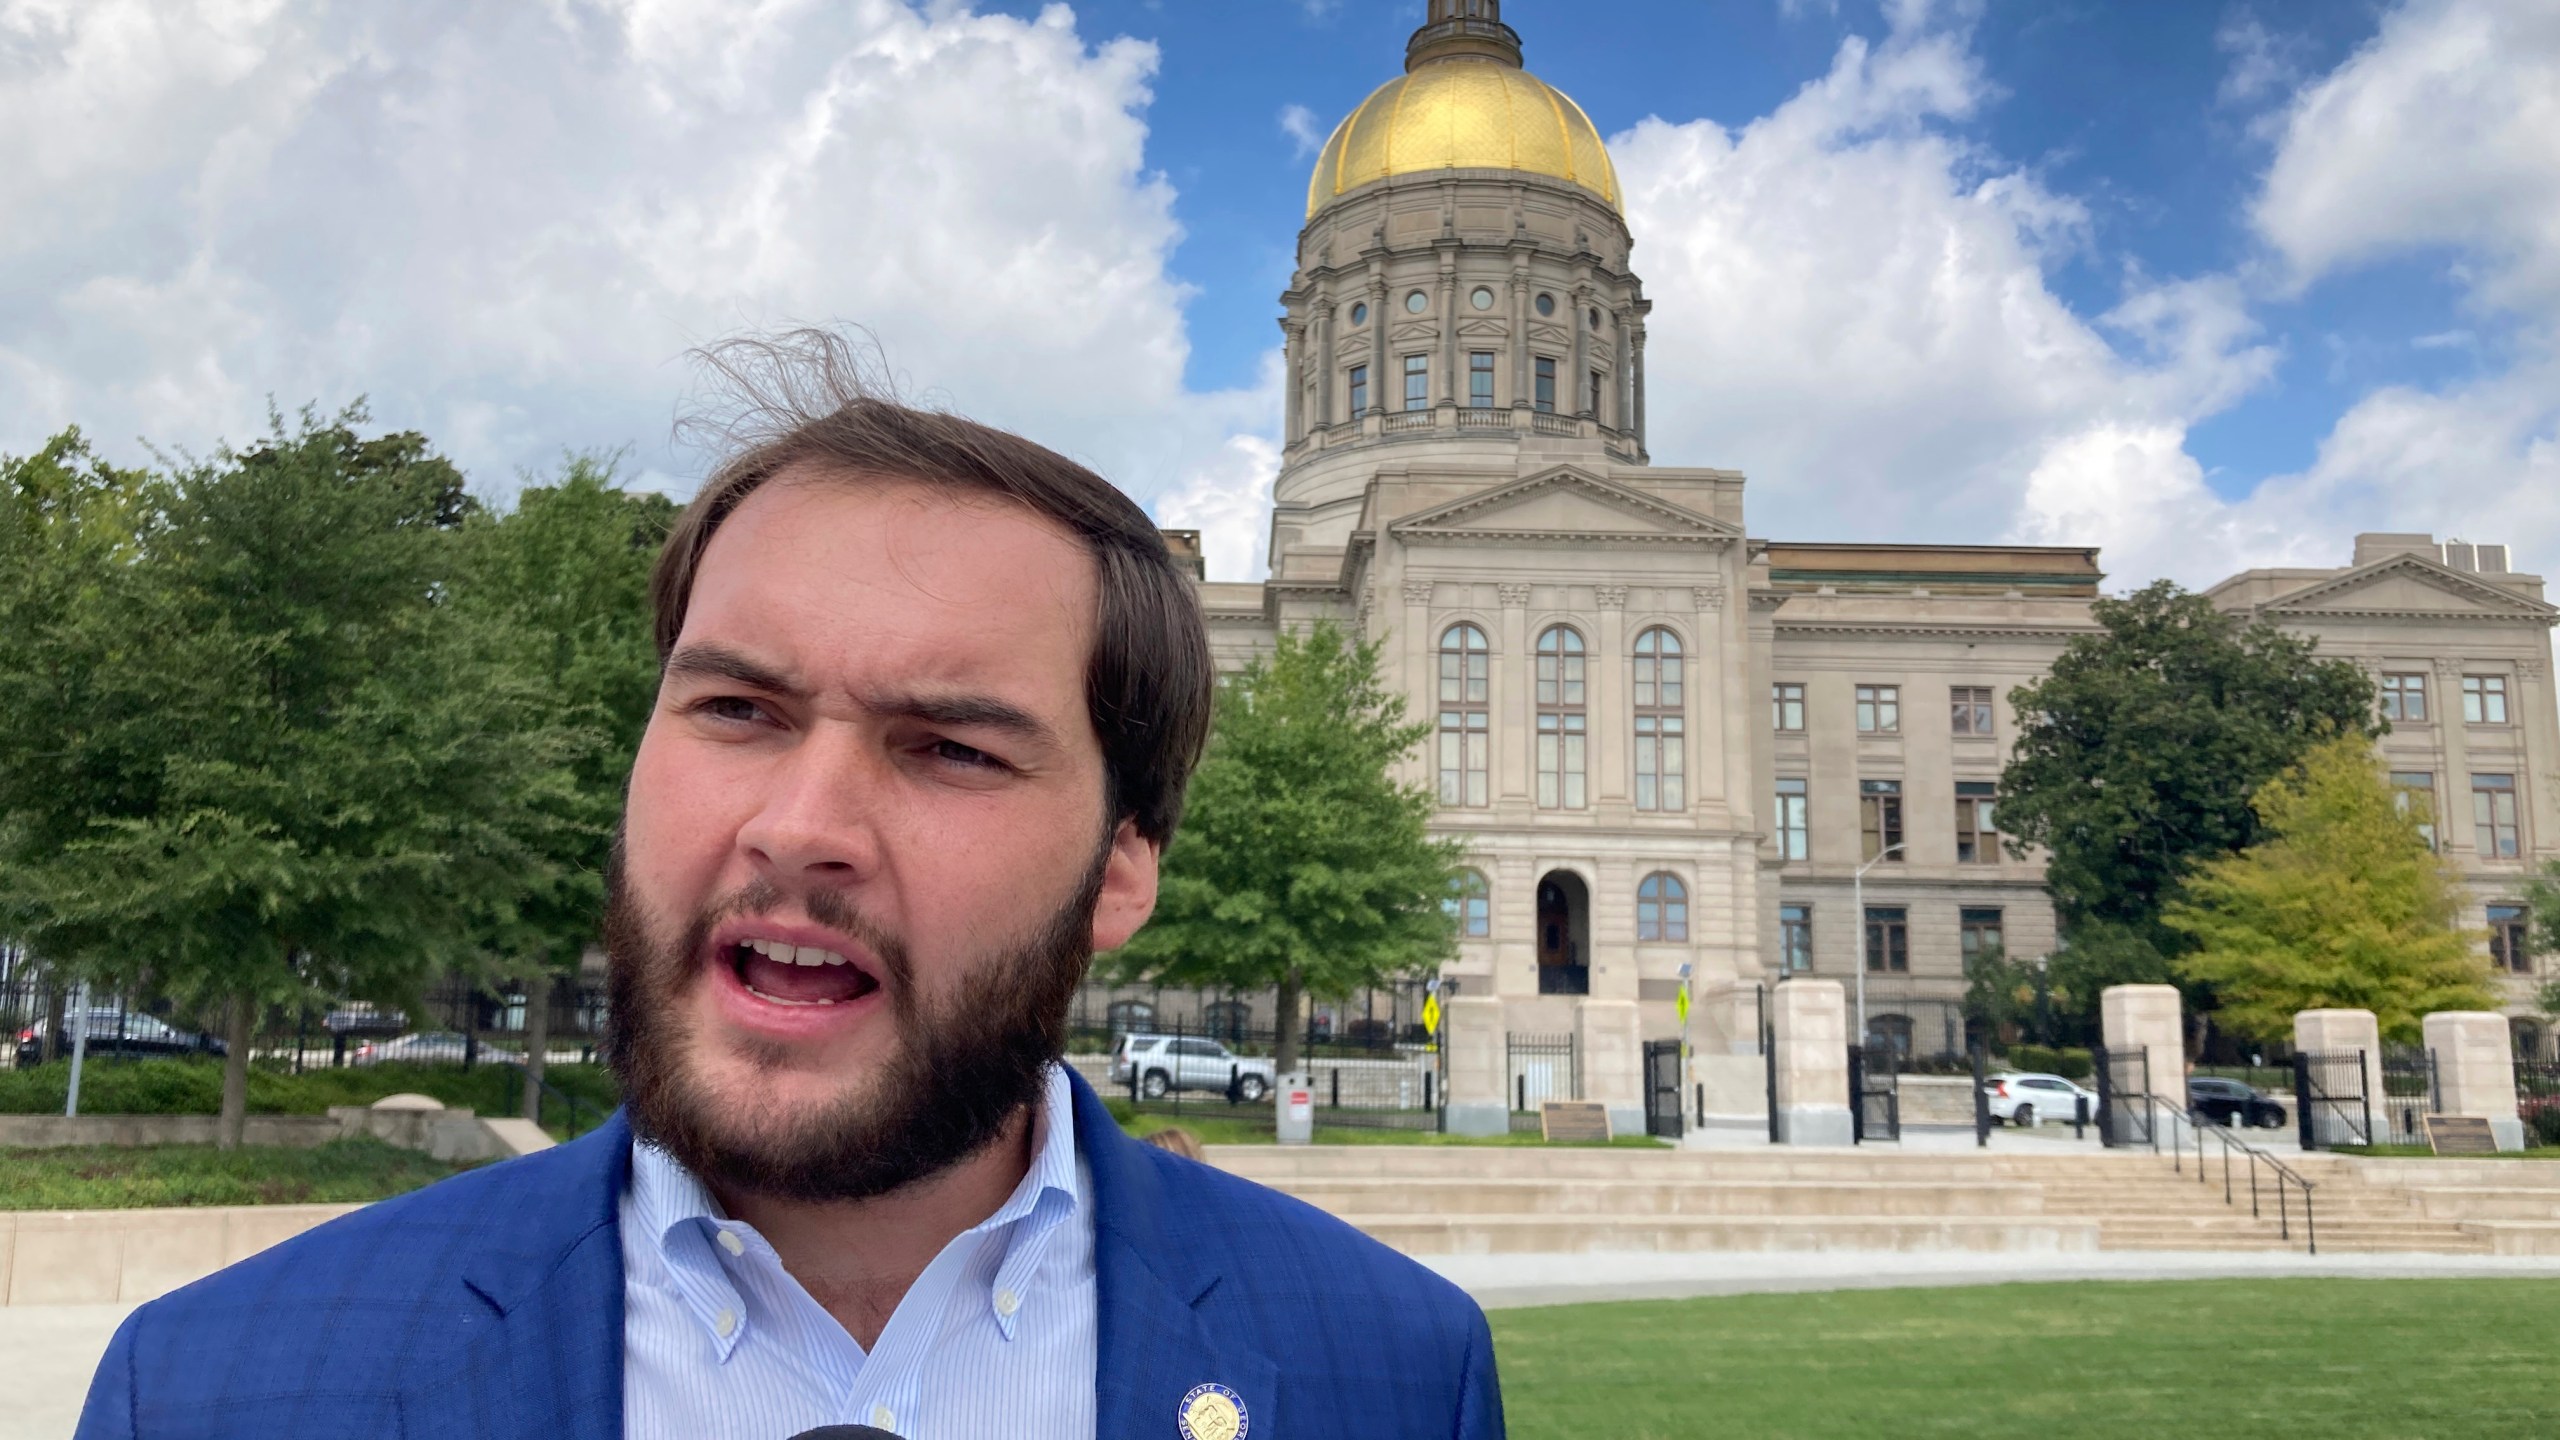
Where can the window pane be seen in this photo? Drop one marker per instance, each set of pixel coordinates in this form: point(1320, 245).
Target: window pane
point(1546, 381)
point(1417, 382)
point(1480, 379)
point(1359, 390)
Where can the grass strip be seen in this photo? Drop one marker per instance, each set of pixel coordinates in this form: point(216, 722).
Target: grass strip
point(2094, 1361)
point(114, 1177)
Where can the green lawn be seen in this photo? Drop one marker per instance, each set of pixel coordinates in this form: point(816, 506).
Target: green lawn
point(113, 1177)
point(2259, 1359)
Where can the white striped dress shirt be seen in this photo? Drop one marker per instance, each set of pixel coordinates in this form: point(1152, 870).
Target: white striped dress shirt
point(996, 1338)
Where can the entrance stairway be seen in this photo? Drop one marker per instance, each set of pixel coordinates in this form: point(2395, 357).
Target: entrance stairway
point(1430, 1200)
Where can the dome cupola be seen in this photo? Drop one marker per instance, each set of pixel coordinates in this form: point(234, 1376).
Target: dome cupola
point(1463, 103)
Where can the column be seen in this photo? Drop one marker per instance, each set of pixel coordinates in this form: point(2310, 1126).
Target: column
point(1293, 345)
point(1810, 1021)
point(1472, 1038)
point(1725, 1062)
point(1324, 359)
point(1380, 362)
point(2445, 708)
point(1638, 341)
point(2148, 1020)
point(1520, 396)
point(1626, 385)
point(1609, 672)
point(1452, 379)
point(1581, 377)
point(1422, 670)
point(1513, 706)
point(2476, 1070)
point(2338, 1035)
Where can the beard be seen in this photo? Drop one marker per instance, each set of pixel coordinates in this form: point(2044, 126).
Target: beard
point(960, 1069)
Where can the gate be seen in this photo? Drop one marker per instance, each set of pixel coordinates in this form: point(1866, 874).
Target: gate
point(2538, 1100)
point(1663, 1112)
point(2409, 1094)
point(1539, 1068)
point(1875, 1095)
point(2334, 1105)
point(2127, 1114)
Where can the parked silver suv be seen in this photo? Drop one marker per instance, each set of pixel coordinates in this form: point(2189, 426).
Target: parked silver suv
point(1165, 1063)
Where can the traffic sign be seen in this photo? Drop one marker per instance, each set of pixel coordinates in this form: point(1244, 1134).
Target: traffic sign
point(1431, 1014)
point(1682, 1004)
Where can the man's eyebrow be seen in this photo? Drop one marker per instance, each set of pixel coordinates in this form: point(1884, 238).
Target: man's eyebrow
point(983, 712)
point(718, 662)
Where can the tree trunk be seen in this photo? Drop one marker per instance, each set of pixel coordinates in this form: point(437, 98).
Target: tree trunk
point(239, 1026)
point(537, 1039)
point(56, 1001)
point(1284, 1051)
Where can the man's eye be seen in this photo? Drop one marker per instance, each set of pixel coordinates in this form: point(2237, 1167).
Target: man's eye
point(735, 709)
point(959, 754)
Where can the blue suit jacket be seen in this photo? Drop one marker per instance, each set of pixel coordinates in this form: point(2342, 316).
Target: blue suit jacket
point(491, 1305)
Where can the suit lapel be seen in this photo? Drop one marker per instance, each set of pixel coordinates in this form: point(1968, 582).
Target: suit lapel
point(1152, 1270)
point(542, 1319)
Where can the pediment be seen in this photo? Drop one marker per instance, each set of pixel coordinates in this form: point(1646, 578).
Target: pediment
point(1414, 330)
point(1489, 329)
point(2411, 586)
point(1543, 333)
point(1562, 506)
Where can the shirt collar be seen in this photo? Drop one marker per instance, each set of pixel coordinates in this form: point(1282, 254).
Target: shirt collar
point(678, 1213)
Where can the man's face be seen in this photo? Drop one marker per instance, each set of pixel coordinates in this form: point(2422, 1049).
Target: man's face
point(864, 859)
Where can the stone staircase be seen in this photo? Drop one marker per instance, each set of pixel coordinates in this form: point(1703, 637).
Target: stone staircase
point(1431, 1201)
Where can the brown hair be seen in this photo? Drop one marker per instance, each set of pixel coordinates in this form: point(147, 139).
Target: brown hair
point(804, 397)
point(1178, 1140)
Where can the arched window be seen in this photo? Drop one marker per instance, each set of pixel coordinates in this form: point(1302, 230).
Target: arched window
point(1662, 908)
point(1562, 723)
point(1466, 742)
point(1470, 903)
point(1661, 771)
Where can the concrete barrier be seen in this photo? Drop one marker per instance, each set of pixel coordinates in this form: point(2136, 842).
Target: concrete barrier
point(459, 1136)
point(99, 1257)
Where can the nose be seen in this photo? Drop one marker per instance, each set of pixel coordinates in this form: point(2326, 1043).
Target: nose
point(817, 820)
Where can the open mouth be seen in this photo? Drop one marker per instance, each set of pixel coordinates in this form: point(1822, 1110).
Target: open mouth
point(785, 974)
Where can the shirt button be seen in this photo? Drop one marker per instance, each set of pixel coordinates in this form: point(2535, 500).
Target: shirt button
point(883, 1417)
point(730, 1242)
point(726, 1322)
point(1007, 1302)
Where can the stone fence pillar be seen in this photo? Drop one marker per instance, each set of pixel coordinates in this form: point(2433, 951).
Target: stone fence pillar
point(1611, 1037)
point(1728, 1075)
point(2146, 1020)
point(2339, 1034)
point(1471, 1035)
point(2476, 1070)
point(1811, 1023)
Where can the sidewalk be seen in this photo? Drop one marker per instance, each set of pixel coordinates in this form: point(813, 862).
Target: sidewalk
point(52, 1349)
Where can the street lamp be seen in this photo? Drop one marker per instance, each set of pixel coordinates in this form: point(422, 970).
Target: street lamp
point(1858, 904)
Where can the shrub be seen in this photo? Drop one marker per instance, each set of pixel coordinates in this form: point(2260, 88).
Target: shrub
point(194, 1087)
point(2067, 1062)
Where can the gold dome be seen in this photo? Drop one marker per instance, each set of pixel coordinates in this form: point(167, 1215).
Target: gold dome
point(1464, 115)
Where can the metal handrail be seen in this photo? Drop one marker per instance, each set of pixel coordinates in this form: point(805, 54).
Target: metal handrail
point(2284, 1174)
point(576, 1106)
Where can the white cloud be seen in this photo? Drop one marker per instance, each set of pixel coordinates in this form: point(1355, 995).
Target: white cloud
point(1300, 124)
point(506, 222)
point(2263, 63)
point(2436, 139)
point(1850, 303)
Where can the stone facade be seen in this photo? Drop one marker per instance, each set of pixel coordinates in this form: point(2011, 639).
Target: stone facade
point(1466, 478)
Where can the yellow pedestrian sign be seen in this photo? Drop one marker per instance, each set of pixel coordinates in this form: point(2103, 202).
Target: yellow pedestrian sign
point(1431, 1014)
point(1681, 1004)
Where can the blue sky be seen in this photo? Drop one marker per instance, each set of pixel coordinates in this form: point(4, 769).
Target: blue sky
point(2206, 283)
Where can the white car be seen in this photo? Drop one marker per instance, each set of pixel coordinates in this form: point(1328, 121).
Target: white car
point(433, 1047)
point(2027, 1099)
point(1165, 1063)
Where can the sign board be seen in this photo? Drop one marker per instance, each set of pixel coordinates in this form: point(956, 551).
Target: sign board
point(1573, 1120)
point(1682, 1004)
point(2461, 1135)
point(1431, 1014)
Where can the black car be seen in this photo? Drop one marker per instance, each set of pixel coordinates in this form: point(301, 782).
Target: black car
point(2229, 1102)
point(122, 1033)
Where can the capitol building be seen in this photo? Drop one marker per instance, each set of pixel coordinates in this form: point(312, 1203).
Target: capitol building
point(1671, 745)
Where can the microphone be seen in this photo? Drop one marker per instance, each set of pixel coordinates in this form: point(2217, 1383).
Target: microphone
point(845, 1432)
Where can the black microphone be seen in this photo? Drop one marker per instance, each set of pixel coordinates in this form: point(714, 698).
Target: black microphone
point(845, 1432)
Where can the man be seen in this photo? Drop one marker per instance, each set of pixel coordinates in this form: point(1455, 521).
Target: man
point(930, 695)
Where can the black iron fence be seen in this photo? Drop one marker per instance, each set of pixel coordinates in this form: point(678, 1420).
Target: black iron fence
point(2128, 1113)
point(1875, 1096)
point(2334, 1103)
point(2538, 1100)
point(2410, 1093)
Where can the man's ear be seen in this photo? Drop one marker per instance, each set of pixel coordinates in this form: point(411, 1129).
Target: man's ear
point(1128, 888)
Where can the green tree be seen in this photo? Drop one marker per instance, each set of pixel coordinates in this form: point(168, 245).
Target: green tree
point(2136, 758)
point(1302, 863)
point(271, 764)
point(559, 589)
point(2341, 905)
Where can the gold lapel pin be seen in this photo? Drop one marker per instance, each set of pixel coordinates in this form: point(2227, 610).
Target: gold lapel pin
point(1212, 1412)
